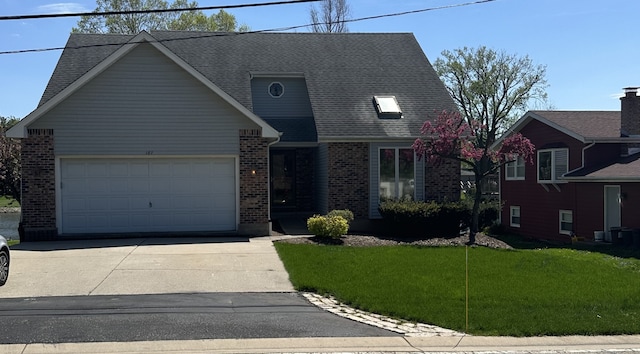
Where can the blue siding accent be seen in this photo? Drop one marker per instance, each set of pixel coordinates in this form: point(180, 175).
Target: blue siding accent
point(294, 103)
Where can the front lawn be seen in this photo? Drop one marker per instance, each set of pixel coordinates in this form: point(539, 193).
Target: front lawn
point(6, 201)
point(511, 292)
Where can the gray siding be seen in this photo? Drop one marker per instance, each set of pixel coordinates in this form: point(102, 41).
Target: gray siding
point(145, 104)
point(322, 179)
point(294, 103)
point(374, 193)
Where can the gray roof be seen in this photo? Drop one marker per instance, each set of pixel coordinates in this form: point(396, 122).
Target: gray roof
point(342, 71)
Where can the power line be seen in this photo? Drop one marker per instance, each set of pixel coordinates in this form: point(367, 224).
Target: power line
point(221, 34)
point(129, 12)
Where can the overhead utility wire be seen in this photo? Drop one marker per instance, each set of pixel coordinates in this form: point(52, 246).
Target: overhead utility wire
point(222, 34)
point(128, 12)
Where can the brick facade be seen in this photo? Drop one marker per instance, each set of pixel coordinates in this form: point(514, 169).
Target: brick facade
point(254, 183)
point(38, 186)
point(349, 177)
point(442, 181)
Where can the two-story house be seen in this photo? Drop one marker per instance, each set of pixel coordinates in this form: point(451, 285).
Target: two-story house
point(585, 176)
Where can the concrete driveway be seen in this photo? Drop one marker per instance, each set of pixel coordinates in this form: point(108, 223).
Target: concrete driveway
point(145, 266)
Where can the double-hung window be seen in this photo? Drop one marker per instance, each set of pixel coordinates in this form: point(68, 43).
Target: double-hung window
point(397, 173)
point(514, 170)
point(514, 216)
point(566, 222)
point(552, 164)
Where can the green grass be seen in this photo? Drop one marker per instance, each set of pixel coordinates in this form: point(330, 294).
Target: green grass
point(516, 293)
point(6, 201)
point(12, 243)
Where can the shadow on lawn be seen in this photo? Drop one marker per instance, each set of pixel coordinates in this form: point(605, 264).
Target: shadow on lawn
point(518, 242)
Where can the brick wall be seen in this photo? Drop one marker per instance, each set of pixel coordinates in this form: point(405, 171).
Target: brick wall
point(38, 186)
point(442, 181)
point(349, 177)
point(254, 183)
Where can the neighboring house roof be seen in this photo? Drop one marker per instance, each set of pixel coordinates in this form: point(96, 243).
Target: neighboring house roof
point(342, 71)
point(588, 124)
point(585, 126)
point(623, 169)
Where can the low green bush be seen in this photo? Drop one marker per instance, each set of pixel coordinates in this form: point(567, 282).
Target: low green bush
point(345, 213)
point(327, 226)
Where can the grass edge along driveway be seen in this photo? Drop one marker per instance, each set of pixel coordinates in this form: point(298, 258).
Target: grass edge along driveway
point(511, 292)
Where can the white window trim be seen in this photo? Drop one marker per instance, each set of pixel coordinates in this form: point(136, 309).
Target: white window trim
point(397, 167)
point(553, 180)
point(562, 212)
point(519, 161)
point(511, 210)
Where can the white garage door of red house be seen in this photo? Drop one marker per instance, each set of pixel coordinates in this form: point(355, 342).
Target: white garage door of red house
point(120, 195)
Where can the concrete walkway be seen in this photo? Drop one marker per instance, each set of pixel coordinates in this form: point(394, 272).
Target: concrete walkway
point(614, 344)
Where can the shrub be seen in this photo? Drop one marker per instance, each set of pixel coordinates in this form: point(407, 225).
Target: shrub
point(327, 226)
point(345, 213)
point(422, 219)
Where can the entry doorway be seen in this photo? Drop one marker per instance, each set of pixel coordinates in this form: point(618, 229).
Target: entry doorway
point(612, 206)
point(283, 179)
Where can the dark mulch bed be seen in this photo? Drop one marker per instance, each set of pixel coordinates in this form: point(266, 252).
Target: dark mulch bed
point(368, 240)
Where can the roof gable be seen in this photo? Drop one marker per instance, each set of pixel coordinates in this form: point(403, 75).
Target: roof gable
point(584, 126)
point(19, 130)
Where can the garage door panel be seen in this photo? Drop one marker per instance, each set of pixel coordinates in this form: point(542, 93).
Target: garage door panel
point(145, 195)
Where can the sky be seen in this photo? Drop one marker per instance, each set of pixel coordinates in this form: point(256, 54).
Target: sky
point(591, 48)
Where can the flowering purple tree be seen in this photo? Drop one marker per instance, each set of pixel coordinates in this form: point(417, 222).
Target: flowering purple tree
point(451, 137)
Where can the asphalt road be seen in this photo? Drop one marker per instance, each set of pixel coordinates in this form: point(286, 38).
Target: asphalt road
point(125, 318)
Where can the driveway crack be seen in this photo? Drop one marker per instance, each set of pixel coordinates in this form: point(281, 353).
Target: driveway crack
point(116, 267)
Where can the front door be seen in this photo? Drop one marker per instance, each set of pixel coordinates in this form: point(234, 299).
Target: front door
point(283, 179)
point(611, 208)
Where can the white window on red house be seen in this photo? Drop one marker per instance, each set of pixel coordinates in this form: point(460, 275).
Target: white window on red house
point(566, 222)
point(552, 164)
point(514, 216)
point(514, 170)
point(397, 173)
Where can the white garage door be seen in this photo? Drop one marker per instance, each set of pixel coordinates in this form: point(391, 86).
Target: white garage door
point(147, 195)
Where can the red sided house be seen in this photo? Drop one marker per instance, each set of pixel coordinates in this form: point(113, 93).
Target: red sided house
point(585, 176)
point(217, 132)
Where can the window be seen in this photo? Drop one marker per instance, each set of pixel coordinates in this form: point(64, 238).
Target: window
point(387, 107)
point(515, 216)
point(276, 90)
point(566, 222)
point(552, 164)
point(397, 173)
point(515, 170)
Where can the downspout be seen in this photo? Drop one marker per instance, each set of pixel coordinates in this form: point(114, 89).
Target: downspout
point(269, 173)
point(575, 190)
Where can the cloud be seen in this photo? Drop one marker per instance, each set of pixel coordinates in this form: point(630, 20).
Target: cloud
point(62, 8)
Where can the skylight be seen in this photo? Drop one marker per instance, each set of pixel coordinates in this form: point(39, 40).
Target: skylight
point(387, 106)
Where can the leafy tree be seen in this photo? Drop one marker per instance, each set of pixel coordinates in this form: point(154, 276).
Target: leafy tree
point(331, 16)
point(491, 89)
point(9, 160)
point(134, 23)
point(451, 137)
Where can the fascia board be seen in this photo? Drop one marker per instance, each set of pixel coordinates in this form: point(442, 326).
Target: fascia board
point(528, 117)
point(19, 130)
